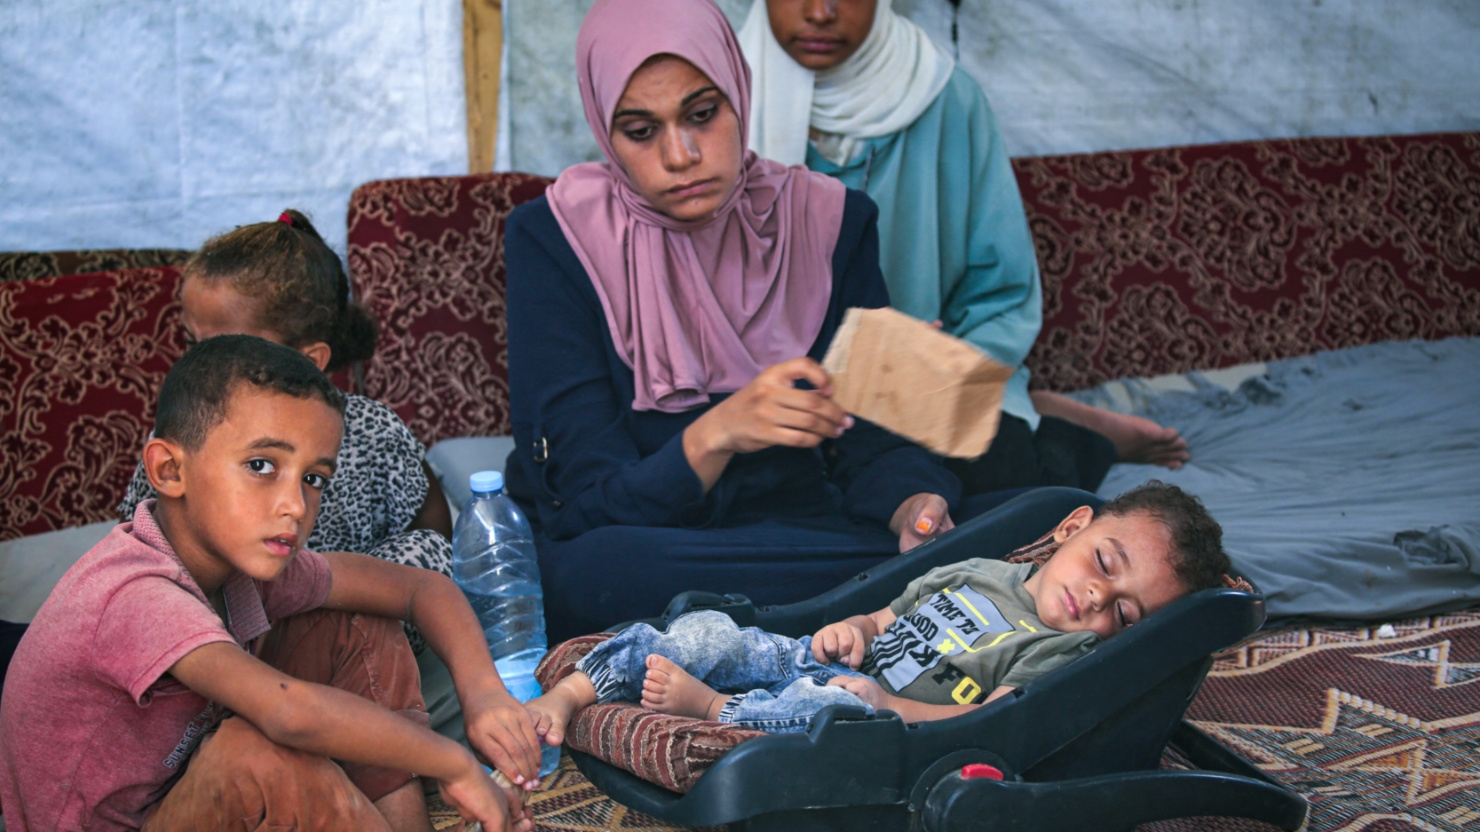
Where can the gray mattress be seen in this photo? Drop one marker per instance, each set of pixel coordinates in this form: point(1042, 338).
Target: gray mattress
point(1347, 482)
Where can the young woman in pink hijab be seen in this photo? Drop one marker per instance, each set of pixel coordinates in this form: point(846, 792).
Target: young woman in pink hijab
point(667, 311)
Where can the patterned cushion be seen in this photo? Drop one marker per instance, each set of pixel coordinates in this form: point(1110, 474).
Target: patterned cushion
point(81, 359)
point(1164, 261)
point(1154, 261)
point(426, 258)
point(30, 265)
point(672, 751)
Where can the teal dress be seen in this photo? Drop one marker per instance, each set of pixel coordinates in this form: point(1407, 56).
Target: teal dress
point(954, 245)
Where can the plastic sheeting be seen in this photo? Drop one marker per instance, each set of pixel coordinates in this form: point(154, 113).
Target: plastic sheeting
point(1345, 481)
point(161, 122)
point(1068, 76)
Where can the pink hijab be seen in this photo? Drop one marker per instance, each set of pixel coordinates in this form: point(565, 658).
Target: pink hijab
point(702, 306)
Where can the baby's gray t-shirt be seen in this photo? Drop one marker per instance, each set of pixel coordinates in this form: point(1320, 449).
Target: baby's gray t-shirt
point(965, 629)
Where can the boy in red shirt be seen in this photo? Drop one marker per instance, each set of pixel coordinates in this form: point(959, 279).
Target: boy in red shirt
point(112, 716)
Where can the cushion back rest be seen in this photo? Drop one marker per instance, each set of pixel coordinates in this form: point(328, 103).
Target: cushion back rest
point(30, 265)
point(1164, 261)
point(81, 361)
point(426, 258)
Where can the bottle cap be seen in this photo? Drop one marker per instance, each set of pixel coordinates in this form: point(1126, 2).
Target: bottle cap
point(486, 482)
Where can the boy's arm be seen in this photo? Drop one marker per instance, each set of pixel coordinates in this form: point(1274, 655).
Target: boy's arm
point(908, 709)
point(498, 726)
point(334, 723)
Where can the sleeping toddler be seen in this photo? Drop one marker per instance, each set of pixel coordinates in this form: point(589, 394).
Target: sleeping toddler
point(962, 635)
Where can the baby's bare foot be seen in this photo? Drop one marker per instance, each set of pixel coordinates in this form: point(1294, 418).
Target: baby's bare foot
point(669, 689)
point(552, 712)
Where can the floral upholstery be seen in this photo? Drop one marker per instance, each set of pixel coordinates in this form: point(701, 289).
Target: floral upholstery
point(1163, 261)
point(81, 360)
point(1153, 261)
point(426, 257)
point(30, 265)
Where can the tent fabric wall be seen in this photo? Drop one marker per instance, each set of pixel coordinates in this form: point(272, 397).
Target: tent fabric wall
point(157, 123)
point(1069, 76)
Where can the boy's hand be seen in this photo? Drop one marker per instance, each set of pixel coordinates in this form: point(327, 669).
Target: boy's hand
point(501, 731)
point(478, 797)
point(842, 640)
point(866, 689)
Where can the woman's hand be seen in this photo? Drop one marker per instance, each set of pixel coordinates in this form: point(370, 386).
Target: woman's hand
point(768, 411)
point(920, 518)
point(501, 731)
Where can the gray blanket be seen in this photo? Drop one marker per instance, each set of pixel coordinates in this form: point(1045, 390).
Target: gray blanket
point(1347, 482)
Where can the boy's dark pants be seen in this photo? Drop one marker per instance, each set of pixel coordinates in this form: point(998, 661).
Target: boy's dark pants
point(239, 779)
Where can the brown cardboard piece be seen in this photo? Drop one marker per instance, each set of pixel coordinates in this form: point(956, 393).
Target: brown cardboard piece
point(909, 377)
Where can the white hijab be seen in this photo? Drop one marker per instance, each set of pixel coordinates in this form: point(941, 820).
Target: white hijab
point(882, 88)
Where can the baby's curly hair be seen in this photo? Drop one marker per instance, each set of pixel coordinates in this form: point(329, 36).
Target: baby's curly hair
point(298, 281)
point(1197, 539)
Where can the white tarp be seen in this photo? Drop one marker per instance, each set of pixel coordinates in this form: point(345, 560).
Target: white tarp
point(1067, 76)
point(160, 122)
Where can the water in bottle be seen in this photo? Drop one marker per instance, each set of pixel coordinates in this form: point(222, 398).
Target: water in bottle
point(493, 560)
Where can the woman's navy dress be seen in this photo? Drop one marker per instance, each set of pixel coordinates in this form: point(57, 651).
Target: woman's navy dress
point(620, 518)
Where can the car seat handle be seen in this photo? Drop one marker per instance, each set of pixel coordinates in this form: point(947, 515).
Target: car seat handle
point(738, 607)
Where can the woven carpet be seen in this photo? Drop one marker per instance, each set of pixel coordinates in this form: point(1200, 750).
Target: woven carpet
point(567, 803)
point(1380, 730)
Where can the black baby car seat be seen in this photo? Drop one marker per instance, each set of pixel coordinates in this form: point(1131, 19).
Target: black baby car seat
point(1078, 749)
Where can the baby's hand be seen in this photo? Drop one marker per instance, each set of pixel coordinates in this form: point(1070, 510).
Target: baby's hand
point(840, 640)
point(501, 731)
point(866, 689)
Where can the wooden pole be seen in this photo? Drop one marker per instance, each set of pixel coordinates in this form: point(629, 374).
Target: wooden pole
point(483, 47)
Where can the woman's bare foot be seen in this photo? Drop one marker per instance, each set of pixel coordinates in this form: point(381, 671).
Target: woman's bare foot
point(552, 712)
point(669, 689)
point(1136, 439)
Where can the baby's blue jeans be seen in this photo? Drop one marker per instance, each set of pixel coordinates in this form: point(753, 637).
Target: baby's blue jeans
point(776, 684)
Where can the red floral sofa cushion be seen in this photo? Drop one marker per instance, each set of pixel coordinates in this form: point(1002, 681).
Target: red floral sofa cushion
point(1163, 261)
point(81, 361)
point(30, 265)
point(426, 257)
point(1154, 261)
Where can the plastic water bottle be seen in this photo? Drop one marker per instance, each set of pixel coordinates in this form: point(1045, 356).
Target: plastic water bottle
point(493, 561)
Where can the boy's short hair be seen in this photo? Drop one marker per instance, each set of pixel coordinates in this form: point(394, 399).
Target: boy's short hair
point(198, 389)
point(1197, 540)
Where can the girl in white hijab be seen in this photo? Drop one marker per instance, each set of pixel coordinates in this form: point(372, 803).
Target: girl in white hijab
point(855, 91)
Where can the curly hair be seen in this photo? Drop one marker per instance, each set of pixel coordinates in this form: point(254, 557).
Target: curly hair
point(298, 281)
point(1197, 539)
